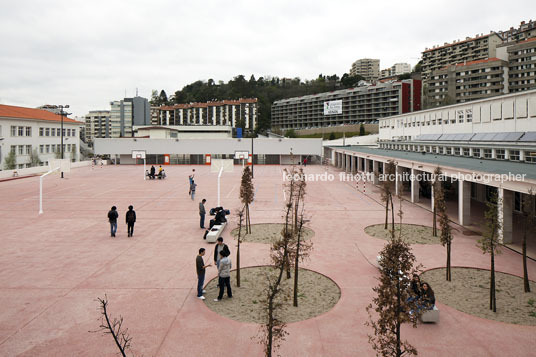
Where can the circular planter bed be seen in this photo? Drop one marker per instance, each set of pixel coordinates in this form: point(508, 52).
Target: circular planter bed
point(412, 233)
point(316, 294)
point(267, 233)
point(469, 292)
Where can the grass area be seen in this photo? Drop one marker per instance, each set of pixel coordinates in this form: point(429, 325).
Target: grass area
point(327, 135)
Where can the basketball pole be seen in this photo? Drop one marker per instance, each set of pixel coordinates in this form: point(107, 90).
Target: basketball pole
point(144, 170)
point(219, 176)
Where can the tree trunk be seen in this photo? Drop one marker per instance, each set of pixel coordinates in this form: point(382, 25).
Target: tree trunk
point(434, 222)
point(449, 276)
point(398, 351)
point(270, 327)
point(526, 283)
point(393, 218)
point(386, 213)
point(492, 301)
point(238, 262)
point(296, 261)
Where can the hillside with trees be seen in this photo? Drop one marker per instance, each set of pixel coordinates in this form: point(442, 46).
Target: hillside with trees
point(265, 89)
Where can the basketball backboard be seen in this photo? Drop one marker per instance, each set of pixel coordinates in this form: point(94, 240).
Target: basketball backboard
point(226, 164)
point(138, 154)
point(63, 164)
point(241, 155)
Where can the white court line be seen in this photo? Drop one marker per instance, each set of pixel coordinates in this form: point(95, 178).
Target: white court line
point(229, 194)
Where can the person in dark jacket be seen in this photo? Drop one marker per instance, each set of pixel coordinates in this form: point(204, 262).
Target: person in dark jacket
point(427, 300)
point(130, 219)
point(202, 213)
point(112, 218)
point(152, 173)
point(220, 247)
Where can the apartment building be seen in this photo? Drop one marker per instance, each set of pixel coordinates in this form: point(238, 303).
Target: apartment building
point(522, 65)
point(470, 49)
point(368, 68)
point(524, 31)
point(232, 113)
point(126, 113)
point(348, 106)
point(97, 125)
point(28, 131)
point(463, 82)
point(395, 70)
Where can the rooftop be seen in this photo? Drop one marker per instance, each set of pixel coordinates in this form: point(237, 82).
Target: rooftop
point(476, 165)
point(13, 112)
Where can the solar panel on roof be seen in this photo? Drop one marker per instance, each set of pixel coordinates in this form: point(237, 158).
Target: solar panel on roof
point(529, 136)
point(488, 136)
point(466, 137)
point(478, 137)
point(513, 136)
point(458, 137)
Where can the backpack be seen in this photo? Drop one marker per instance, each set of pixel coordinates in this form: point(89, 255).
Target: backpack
point(130, 216)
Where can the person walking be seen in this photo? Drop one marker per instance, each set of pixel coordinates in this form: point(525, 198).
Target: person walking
point(130, 219)
point(202, 213)
point(224, 275)
point(200, 267)
point(112, 218)
point(192, 189)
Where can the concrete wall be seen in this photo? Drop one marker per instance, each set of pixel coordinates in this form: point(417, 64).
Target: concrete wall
point(208, 146)
point(369, 128)
point(38, 170)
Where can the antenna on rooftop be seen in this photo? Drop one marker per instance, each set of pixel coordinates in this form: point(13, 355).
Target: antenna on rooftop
point(136, 92)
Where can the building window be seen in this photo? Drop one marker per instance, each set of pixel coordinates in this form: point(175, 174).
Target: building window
point(469, 115)
point(21, 131)
point(47, 149)
point(41, 131)
point(28, 149)
point(73, 132)
point(500, 154)
point(68, 132)
point(476, 152)
point(466, 152)
point(514, 155)
point(530, 156)
point(41, 148)
point(21, 149)
point(488, 154)
point(47, 132)
point(14, 149)
point(13, 131)
point(53, 147)
point(28, 131)
point(460, 116)
point(448, 151)
point(457, 151)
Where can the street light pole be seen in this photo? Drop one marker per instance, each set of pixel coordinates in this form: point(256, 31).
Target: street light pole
point(61, 115)
point(252, 156)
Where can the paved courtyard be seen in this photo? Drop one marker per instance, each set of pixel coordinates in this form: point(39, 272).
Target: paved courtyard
point(53, 267)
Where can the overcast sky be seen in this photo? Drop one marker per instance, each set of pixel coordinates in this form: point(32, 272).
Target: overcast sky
point(87, 53)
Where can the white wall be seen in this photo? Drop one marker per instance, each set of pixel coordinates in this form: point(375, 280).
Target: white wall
point(208, 146)
point(507, 113)
point(35, 140)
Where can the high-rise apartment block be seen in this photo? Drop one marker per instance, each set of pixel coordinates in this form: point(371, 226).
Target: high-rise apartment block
point(368, 68)
point(470, 49)
point(395, 70)
point(364, 104)
point(127, 113)
point(522, 65)
point(97, 125)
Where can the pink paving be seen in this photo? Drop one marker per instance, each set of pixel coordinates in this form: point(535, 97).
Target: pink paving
point(54, 266)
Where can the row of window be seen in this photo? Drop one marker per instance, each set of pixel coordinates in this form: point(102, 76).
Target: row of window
point(485, 153)
point(56, 132)
point(43, 149)
point(21, 130)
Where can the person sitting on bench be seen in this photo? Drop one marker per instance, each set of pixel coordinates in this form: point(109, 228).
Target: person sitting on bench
point(427, 299)
point(152, 172)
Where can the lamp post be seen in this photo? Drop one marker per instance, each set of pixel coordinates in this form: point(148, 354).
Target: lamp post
point(252, 156)
point(61, 115)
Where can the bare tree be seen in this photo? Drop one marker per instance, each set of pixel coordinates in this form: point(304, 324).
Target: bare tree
point(301, 248)
point(239, 240)
point(392, 303)
point(114, 327)
point(273, 330)
point(387, 187)
point(440, 208)
point(246, 195)
point(489, 243)
point(529, 221)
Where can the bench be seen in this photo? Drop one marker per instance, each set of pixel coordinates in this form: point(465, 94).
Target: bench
point(156, 176)
point(215, 232)
point(430, 315)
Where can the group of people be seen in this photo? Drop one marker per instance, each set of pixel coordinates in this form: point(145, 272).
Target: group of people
point(152, 173)
point(222, 261)
point(421, 293)
point(130, 219)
